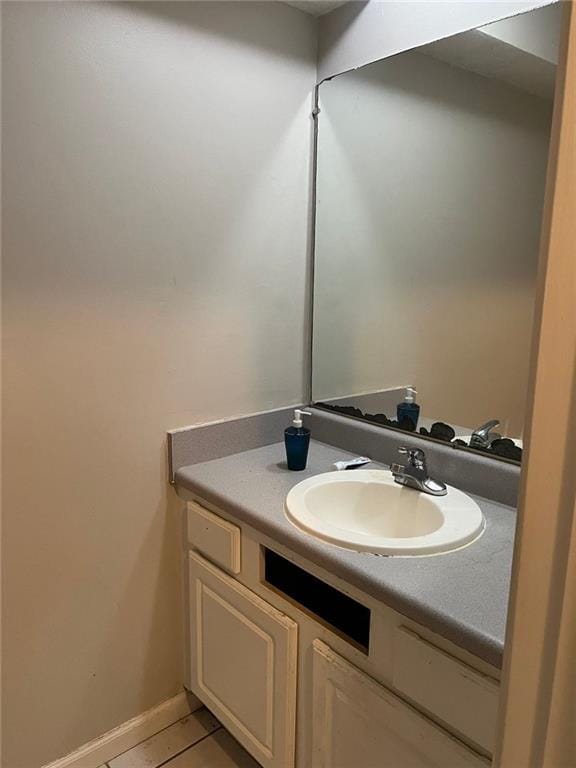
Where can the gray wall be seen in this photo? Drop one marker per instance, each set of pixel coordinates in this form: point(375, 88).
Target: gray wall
point(536, 33)
point(361, 32)
point(156, 167)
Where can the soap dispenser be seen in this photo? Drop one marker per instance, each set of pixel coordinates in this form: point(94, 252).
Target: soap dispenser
point(409, 408)
point(297, 440)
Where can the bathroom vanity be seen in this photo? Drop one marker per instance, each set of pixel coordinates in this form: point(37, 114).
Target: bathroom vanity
point(430, 177)
point(314, 655)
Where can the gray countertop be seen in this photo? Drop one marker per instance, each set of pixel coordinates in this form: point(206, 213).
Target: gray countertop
point(462, 595)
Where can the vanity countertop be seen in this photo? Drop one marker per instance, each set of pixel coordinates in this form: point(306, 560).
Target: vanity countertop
point(461, 595)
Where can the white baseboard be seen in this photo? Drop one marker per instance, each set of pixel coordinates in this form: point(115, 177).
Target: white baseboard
point(130, 733)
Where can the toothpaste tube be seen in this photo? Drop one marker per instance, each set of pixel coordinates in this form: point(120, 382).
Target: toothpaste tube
point(361, 461)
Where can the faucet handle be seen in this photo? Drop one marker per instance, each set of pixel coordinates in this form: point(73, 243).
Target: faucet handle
point(486, 428)
point(416, 456)
point(483, 436)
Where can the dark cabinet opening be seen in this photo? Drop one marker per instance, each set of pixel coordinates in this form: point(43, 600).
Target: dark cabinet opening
point(341, 613)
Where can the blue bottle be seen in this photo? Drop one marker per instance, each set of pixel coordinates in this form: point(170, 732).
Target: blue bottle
point(409, 409)
point(297, 441)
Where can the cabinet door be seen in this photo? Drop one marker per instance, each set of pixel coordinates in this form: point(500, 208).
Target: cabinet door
point(358, 722)
point(244, 655)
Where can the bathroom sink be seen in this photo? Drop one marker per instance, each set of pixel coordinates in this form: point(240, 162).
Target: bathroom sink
point(367, 511)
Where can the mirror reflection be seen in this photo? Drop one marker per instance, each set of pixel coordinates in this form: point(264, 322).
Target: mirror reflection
point(431, 170)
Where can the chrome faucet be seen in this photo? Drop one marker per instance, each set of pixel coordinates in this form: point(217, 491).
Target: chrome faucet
point(415, 473)
point(483, 437)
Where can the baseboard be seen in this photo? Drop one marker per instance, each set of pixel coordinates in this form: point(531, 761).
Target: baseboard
point(130, 733)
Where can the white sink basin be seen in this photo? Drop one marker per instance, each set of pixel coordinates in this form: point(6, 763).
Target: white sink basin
point(365, 510)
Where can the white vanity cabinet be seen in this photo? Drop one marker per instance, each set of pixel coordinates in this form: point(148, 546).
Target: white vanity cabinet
point(244, 654)
point(360, 723)
point(308, 672)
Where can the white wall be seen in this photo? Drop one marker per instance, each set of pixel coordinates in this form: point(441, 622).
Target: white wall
point(430, 190)
point(361, 32)
point(537, 33)
point(156, 166)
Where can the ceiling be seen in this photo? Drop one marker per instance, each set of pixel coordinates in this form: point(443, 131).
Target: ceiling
point(316, 7)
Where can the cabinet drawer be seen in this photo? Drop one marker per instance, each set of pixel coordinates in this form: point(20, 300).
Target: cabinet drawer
point(450, 690)
point(215, 537)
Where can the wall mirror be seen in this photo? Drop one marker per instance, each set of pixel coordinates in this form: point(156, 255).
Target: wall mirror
point(431, 169)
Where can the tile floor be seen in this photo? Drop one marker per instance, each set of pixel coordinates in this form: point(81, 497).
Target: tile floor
point(197, 741)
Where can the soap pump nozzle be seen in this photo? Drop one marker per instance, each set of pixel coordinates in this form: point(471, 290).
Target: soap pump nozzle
point(410, 396)
point(298, 413)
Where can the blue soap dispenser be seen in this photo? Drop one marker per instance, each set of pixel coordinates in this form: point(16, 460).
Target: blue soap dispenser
point(409, 409)
point(297, 440)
